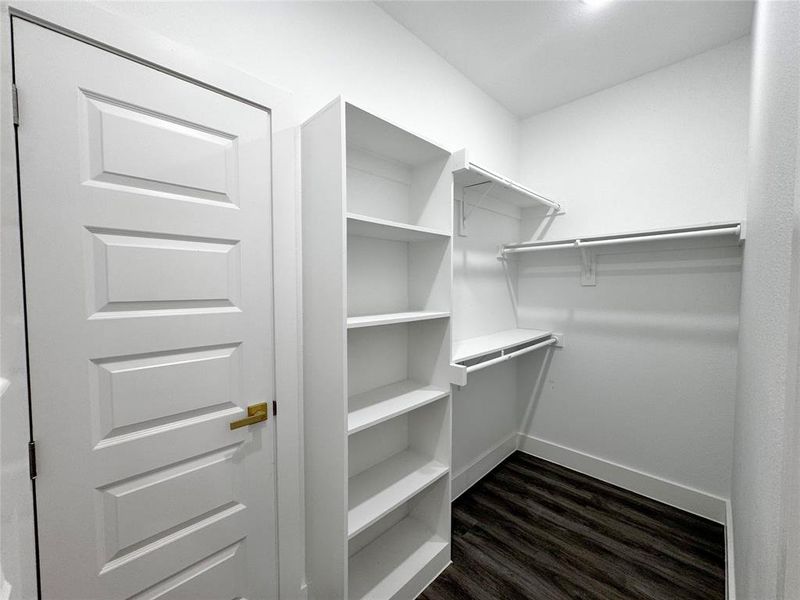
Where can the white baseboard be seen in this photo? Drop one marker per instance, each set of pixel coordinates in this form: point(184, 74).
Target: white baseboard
point(668, 492)
point(477, 469)
point(730, 574)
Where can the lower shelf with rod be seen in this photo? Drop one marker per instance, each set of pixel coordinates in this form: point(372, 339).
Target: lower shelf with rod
point(475, 354)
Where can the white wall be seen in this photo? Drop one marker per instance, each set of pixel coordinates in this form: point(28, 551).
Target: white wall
point(319, 50)
point(484, 412)
point(668, 148)
point(647, 378)
point(765, 497)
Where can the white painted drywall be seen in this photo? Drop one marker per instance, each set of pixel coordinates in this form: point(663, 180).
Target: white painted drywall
point(484, 411)
point(668, 148)
point(319, 50)
point(647, 377)
point(768, 341)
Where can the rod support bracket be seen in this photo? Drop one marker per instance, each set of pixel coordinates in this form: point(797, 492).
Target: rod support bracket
point(588, 265)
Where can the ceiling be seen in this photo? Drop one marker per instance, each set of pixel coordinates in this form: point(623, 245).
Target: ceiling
point(535, 55)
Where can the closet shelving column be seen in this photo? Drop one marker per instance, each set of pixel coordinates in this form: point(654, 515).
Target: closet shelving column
point(476, 353)
point(377, 254)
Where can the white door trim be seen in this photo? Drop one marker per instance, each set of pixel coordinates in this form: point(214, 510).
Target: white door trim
point(116, 34)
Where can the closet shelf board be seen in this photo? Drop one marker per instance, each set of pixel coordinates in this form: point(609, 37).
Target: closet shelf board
point(383, 567)
point(391, 318)
point(379, 490)
point(469, 176)
point(387, 402)
point(382, 229)
point(495, 342)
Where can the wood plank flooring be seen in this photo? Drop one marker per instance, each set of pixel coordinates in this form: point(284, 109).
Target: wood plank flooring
point(532, 529)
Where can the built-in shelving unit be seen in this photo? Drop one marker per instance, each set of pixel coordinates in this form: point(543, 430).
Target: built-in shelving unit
point(377, 254)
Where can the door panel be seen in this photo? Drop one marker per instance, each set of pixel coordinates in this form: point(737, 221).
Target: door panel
point(146, 226)
point(128, 147)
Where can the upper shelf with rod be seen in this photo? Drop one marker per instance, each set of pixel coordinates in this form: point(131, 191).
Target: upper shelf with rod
point(586, 245)
point(698, 231)
point(483, 183)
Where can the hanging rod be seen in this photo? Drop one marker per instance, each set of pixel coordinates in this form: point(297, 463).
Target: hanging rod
point(662, 234)
point(458, 372)
point(505, 357)
point(512, 185)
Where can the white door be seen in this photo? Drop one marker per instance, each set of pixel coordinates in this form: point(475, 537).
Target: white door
point(146, 208)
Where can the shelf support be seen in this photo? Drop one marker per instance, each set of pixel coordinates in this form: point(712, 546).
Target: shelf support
point(465, 212)
point(588, 265)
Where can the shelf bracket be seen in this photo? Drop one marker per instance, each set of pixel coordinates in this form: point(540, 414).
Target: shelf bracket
point(467, 213)
point(588, 265)
point(501, 256)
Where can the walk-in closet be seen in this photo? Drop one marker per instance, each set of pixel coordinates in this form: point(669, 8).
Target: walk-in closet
point(400, 300)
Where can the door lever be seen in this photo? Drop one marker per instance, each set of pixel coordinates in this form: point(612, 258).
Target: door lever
point(255, 414)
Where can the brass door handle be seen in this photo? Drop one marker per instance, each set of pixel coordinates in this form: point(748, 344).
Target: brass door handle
point(255, 414)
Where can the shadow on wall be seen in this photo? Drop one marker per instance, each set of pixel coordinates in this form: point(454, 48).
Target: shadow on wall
point(675, 294)
point(533, 368)
point(647, 375)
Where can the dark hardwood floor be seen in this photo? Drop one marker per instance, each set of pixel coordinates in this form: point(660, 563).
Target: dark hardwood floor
point(532, 529)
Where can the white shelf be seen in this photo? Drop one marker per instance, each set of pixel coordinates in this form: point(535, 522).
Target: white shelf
point(382, 488)
point(495, 342)
point(467, 174)
point(387, 402)
point(383, 567)
point(391, 318)
point(383, 229)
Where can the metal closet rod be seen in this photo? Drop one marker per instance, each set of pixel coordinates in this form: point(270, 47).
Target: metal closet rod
point(505, 357)
point(507, 183)
point(664, 234)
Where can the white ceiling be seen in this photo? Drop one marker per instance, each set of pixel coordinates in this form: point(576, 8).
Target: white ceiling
point(532, 56)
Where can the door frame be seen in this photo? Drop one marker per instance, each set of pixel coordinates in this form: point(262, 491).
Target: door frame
point(106, 30)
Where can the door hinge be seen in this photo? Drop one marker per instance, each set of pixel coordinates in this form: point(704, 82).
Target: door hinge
point(15, 103)
point(32, 459)
point(274, 408)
